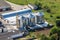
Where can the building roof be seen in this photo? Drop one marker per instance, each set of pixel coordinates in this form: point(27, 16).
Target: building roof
point(4, 4)
point(20, 12)
point(14, 12)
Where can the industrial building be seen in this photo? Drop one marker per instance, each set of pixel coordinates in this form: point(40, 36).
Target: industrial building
point(26, 18)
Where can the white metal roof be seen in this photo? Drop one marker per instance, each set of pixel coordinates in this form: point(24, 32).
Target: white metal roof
point(15, 11)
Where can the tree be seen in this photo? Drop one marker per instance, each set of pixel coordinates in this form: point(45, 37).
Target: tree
point(54, 30)
point(59, 34)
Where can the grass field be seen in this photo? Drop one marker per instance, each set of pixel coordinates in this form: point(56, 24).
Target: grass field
point(54, 5)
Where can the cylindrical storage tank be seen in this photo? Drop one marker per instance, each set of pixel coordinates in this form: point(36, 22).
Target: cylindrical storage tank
point(40, 17)
point(24, 21)
point(32, 20)
point(27, 21)
point(20, 21)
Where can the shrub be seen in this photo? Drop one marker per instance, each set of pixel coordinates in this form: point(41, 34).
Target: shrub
point(51, 15)
point(54, 37)
point(54, 30)
point(59, 31)
point(44, 37)
point(46, 8)
point(58, 23)
point(58, 17)
point(59, 34)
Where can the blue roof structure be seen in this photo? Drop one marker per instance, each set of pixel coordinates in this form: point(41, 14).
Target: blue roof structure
point(20, 12)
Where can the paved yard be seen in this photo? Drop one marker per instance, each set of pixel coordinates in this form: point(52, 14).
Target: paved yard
point(5, 36)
